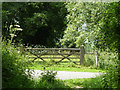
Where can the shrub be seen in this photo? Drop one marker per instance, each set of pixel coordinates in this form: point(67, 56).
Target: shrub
point(89, 60)
point(48, 76)
point(93, 82)
point(48, 80)
point(105, 59)
point(13, 68)
point(110, 79)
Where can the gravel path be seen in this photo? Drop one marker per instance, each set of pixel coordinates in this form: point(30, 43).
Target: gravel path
point(63, 75)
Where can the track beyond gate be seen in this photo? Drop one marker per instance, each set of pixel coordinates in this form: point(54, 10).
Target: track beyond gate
point(63, 75)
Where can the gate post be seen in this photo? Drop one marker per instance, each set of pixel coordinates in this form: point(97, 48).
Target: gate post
point(82, 53)
point(96, 59)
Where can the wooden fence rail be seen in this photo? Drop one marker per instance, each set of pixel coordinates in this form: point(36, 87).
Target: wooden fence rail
point(74, 49)
point(63, 53)
point(55, 51)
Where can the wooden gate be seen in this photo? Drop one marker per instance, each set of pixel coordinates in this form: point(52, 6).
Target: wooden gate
point(67, 52)
point(60, 53)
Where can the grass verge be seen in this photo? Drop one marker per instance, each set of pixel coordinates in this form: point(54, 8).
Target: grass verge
point(62, 67)
point(85, 83)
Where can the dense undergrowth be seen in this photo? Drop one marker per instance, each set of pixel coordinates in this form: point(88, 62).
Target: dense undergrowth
point(14, 65)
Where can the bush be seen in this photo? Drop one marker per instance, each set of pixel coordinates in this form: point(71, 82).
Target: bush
point(48, 80)
point(109, 61)
point(105, 59)
point(110, 79)
point(93, 82)
point(13, 68)
point(48, 76)
point(89, 60)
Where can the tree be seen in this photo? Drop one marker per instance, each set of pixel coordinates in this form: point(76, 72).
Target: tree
point(42, 23)
point(9, 17)
point(109, 30)
point(81, 27)
point(96, 23)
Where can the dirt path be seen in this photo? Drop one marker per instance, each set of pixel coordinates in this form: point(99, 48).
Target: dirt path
point(63, 75)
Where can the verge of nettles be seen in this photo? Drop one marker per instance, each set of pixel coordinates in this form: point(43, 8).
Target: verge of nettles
point(13, 68)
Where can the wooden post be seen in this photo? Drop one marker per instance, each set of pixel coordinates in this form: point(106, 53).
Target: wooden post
point(96, 59)
point(82, 53)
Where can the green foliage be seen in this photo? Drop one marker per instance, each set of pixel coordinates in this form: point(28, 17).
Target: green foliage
point(89, 60)
point(48, 80)
point(85, 82)
point(93, 83)
point(109, 33)
point(71, 64)
point(63, 67)
point(80, 29)
point(13, 68)
point(92, 24)
point(48, 76)
point(46, 85)
point(106, 59)
point(41, 21)
point(110, 79)
point(95, 24)
point(37, 51)
point(88, 24)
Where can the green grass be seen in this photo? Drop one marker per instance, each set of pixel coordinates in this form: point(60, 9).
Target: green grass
point(67, 66)
point(49, 85)
point(85, 83)
point(70, 83)
point(63, 67)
